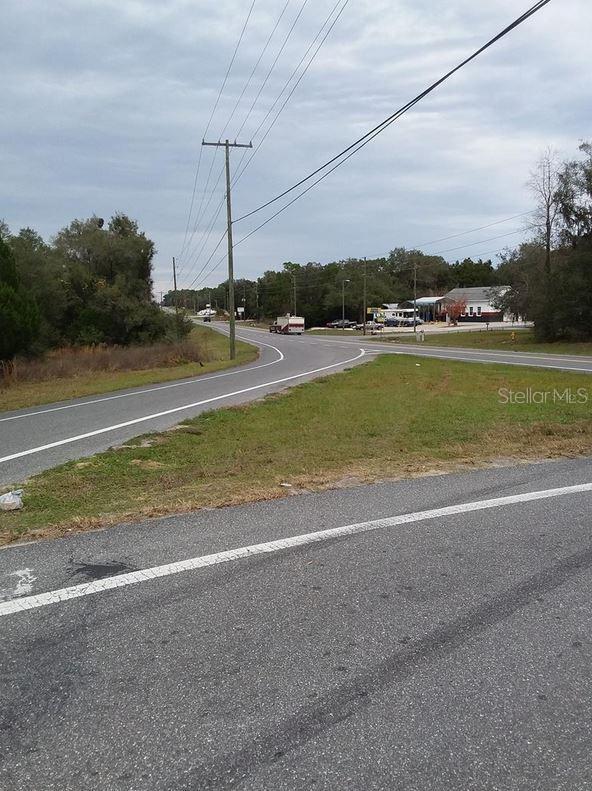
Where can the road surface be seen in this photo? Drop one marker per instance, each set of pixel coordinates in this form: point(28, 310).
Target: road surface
point(35, 439)
point(426, 635)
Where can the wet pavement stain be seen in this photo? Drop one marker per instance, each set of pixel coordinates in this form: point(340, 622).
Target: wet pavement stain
point(90, 571)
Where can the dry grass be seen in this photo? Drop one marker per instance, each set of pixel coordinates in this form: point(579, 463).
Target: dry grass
point(73, 362)
point(391, 418)
point(75, 373)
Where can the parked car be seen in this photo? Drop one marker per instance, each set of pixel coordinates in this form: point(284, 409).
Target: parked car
point(404, 322)
point(370, 325)
point(341, 324)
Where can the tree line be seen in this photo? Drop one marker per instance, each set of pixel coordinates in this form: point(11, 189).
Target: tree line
point(315, 290)
point(550, 276)
point(92, 284)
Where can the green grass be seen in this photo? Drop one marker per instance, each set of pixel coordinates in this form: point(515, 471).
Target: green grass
point(395, 416)
point(502, 339)
point(28, 394)
point(484, 339)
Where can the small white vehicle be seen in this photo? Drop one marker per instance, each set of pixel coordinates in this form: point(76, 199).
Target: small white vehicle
point(288, 325)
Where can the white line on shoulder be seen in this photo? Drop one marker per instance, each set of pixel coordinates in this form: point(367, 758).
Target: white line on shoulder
point(193, 381)
point(192, 564)
point(184, 407)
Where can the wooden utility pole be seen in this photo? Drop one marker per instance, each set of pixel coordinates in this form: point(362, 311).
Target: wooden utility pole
point(228, 145)
point(175, 280)
point(294, 276)
point(415, 299)
point(365, 297)
point(176, 300)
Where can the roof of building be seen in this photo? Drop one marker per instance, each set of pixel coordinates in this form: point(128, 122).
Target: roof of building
point(427, 300)
point(474, 293)
point(390, 305)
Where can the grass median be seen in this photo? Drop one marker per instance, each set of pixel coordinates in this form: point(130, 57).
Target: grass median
point(523, 341)
point(393, 417)
point(212, 346)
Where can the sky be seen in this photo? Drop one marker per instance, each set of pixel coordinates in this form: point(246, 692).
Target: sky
point(105, 103)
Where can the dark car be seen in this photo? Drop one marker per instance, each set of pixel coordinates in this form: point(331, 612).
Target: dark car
point(341, 324)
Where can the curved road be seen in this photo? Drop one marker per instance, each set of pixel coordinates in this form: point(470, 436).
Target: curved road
point(32, 440)
point(428, 635)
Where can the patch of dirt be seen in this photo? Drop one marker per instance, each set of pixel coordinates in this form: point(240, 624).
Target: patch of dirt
point(145, 443)
point(147, 464)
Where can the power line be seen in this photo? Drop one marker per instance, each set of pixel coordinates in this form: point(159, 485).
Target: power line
point(473, 230)
point(255, 67)
point(224, 81)
point(273, 65)
point(327, 19)
point(481, 241)
point(370, 135)
point(296, 84)
point(209, 259)
point(190, 255)
point(452, 236)
point(267, 77)
point(206, 239)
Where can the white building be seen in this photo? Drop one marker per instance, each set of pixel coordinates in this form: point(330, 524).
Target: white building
point(478, 300)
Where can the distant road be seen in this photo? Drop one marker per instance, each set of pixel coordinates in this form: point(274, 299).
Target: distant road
point(35, 439)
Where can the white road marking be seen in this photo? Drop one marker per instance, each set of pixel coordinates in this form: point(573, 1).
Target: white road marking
point(193, 381)
point(446, 353)
point(135, 421)
point(555, 367)
point(24, 584)
point(134, 577)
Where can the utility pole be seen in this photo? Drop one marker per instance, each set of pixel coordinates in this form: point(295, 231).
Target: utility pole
point(414, 299)
point(343, 282)
point(228, 145)
point(176, 299)
point(365, 297)
point(294, 276)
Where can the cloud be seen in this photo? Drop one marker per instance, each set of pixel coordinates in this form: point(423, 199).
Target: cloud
point(105, 104)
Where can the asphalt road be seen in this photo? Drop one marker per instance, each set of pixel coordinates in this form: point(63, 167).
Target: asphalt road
point(35, 439)
point(447, 647)
point(32, 440)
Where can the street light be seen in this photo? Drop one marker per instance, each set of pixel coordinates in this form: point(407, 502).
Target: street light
point(343, 282)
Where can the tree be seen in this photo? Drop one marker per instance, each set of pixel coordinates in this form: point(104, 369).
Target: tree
point(19, 317)
point(42, 275)
point(544, 184)
point(455, 309)
point(108, 283)
point(523, 270)
point(575, 198)
point(467, 273)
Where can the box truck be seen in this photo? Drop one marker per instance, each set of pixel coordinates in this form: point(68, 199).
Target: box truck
point(288, 325)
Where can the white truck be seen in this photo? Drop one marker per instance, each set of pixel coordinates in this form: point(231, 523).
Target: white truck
point(288, 325)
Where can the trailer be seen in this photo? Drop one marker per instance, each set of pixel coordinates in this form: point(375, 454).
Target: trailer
point(288, 325)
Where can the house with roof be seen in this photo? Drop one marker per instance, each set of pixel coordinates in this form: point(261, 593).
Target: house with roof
point(479, 303)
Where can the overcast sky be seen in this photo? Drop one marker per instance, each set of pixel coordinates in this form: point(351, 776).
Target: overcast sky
point(105, 103)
